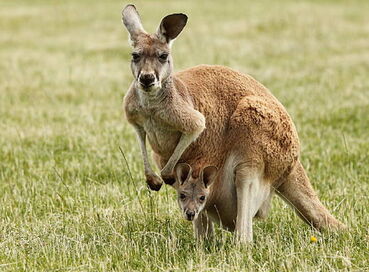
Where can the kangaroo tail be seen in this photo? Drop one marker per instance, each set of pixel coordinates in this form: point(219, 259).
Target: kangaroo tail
point(297, 191)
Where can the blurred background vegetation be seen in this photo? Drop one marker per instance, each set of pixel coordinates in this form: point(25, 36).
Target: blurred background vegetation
point(70, 201)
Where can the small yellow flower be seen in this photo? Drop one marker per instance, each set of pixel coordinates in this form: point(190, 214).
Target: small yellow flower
point(313, 239)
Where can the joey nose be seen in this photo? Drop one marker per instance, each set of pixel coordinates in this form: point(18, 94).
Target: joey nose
point(146, 80)
point(190, 215)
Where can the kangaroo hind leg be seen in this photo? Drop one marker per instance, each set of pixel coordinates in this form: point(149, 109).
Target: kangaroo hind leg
point(263, 211)
point(251, 191)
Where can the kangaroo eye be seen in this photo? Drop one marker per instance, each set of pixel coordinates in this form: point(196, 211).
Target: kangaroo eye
point(182, 196)
point(136, 57)
point(163, 57)
point(202, 198)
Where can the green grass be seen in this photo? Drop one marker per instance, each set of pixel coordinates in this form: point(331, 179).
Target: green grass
point(67, 199)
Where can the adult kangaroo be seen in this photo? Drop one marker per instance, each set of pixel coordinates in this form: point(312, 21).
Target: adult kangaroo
point(248, 135)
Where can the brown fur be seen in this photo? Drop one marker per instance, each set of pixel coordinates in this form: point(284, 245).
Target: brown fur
point(243, 121)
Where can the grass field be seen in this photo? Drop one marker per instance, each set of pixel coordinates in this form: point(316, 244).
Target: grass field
point(69, 201)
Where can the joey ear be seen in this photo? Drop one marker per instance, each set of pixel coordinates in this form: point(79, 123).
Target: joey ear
point(171, 26)
point(131, 19)
point(208, 175)
point(182, 172)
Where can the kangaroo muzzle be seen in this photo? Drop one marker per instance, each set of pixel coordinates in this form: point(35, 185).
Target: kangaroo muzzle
point(147, 80)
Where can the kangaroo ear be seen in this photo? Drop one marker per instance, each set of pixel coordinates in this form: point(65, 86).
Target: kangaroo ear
point(131, 19)
point(171, 26)
point(182, 172)
point(208, 175)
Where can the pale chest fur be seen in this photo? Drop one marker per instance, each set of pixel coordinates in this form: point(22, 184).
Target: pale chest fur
point(162, 137)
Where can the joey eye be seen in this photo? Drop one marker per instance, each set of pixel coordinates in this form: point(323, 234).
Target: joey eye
point(163, 57)
point(202, 198)
point(182, 196)
point(136, 57)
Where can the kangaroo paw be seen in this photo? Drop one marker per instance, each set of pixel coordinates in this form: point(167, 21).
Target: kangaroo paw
point(154, 182)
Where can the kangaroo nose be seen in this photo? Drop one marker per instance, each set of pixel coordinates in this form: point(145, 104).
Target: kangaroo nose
point(190, 215)
point(147, 80)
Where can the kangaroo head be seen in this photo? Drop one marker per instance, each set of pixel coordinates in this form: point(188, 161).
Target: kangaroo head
point(193, 192)
point(151, 63)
